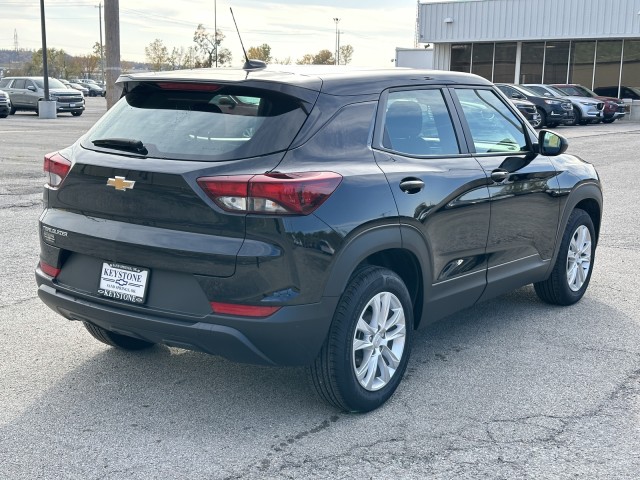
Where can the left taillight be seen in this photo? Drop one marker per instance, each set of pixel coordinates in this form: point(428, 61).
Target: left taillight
point(49, 269)
point(57, 168)
point(271, 193)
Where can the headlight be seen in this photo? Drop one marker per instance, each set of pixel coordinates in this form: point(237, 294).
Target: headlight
point(589, 104)
point(552, 102)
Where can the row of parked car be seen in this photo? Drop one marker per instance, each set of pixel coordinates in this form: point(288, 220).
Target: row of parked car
point(563, 104)
point(24, 93)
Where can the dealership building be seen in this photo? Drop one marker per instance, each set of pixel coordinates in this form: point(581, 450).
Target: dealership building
point(595, 43)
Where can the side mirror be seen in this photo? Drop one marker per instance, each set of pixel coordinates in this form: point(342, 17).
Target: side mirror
point(517, 95)
point(32, 88)
point(551, 144)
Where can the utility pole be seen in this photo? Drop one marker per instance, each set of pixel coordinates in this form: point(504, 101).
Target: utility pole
point(337, 20)
point(101, 45)
point(112, 34)
point(215, 29)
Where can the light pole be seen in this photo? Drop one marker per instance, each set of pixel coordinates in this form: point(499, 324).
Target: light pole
point(337, 20)
point(215, 29)
point(104, 85)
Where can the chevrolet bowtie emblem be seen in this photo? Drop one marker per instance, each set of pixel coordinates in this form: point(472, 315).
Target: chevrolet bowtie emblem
point(120, 183)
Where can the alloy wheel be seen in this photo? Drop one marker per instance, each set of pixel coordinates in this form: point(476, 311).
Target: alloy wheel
point(579, 258)
point(379, 341)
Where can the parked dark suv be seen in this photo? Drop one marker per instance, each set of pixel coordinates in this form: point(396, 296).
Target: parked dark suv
point(320, 228)
point(553, 111)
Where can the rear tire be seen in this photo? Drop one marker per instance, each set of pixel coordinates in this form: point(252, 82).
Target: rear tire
point(12, 111)
point(571, 273)
point(115, 339)
point(367, 349)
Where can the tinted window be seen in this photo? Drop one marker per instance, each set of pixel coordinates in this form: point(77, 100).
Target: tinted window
point(206, 122)
point(494, 127)
point(417, 122)
point(19, 83)
point(53, 83)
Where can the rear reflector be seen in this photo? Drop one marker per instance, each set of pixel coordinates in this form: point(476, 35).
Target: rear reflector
point(49, 270)
point(271, 193)
point(243, 310)
point(57, 168)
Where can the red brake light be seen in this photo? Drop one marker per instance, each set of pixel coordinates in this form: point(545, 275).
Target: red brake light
point(243, 310)
point(56, 167)
point(49, 270)
point(272, 193)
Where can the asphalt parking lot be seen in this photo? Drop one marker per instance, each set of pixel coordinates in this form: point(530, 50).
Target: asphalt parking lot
point(511, 389)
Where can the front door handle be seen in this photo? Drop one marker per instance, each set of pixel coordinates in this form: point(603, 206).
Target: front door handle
point(411, 185)
point(499, 175)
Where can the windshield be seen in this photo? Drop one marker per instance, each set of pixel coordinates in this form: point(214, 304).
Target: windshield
point(53, 83)
point(577, 91)
point(201, 121)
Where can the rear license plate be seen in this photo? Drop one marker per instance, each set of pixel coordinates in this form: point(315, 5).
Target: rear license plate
point(123, 282)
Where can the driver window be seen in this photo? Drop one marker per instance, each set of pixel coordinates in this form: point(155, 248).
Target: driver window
point(417, 122)
point(494, 127)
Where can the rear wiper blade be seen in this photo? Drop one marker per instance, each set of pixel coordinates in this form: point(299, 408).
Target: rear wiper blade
point(126, 144)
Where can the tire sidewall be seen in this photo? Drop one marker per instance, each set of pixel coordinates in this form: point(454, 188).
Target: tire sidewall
point(577, 219)
point(354, 395)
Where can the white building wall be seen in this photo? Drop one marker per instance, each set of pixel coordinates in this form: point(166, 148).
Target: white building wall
point(513, 20)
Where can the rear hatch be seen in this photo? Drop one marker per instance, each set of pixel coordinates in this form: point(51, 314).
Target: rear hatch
point(131, 195)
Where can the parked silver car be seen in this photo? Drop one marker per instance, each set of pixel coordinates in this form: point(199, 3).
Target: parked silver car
point(585, 109)
point(26, 92)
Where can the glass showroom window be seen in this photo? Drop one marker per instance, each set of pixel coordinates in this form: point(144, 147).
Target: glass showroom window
point(556, 62)
point(482, 60)
point(582, 59)
point(504, 65)
point(608, 56)
point(461, 57)
point(532, 62)
point(631, 66)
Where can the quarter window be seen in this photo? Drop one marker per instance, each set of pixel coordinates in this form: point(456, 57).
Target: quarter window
point(417, 122)
point(494, 127)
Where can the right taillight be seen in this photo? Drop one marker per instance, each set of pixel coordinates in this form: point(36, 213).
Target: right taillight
point(271, 193)
point(57, 168)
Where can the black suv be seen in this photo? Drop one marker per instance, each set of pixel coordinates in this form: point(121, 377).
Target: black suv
point(319, 224)
point(553, 111)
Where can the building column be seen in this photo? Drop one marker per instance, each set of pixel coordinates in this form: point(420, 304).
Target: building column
point(516, 80)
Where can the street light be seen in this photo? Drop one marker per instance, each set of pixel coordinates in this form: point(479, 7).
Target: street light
point(104, 85)
point(337, 20)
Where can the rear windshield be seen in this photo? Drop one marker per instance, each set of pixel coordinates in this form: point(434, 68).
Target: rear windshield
point(200, 122)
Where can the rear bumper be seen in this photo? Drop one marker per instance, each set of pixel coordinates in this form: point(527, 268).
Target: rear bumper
point(291, 336)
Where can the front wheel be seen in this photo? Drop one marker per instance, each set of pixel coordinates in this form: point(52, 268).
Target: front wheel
point(76, 114)
point(571, 273)
point(608, 120)
point(367, 349)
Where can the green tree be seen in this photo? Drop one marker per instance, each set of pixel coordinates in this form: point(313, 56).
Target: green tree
point(56, 63)
point(157, 54)
point(346, 52)
point(263, 52)
point(209, 45)
point(306, 60)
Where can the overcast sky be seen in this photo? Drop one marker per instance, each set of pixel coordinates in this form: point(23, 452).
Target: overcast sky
point(292, 28)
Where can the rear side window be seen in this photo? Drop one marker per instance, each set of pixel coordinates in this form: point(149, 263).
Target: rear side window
point(5, 82)
point(200, 122)
point(417, 122)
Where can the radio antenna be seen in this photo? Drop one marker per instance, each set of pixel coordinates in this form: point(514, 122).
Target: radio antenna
point(248, 64)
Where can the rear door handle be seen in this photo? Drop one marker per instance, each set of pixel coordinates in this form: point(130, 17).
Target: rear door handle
point(411, 185)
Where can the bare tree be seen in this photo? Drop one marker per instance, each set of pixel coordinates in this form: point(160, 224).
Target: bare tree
point(208, 44)
point(157, 54)
point(346, 52)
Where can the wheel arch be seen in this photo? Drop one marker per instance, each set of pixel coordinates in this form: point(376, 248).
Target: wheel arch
point(587, 197)
point(401, 250)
